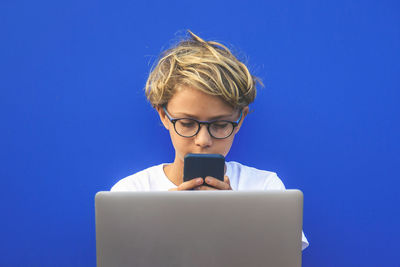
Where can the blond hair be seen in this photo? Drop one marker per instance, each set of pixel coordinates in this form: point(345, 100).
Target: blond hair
point(205, 65)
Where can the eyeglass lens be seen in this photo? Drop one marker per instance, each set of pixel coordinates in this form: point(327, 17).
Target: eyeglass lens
point(218, 129)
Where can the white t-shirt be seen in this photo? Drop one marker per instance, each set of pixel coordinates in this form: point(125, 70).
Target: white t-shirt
point(241, 177)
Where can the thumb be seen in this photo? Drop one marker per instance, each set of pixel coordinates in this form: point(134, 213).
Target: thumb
point(226, 180)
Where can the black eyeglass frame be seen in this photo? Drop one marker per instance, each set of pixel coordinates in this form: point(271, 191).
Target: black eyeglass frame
point(199, 123)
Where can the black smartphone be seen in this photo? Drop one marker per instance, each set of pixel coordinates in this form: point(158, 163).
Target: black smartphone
point(202, 165)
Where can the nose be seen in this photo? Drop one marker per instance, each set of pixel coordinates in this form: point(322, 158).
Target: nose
point(203, 137)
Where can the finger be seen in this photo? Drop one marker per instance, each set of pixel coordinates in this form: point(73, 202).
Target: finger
point(217, 183)
point(190, 184)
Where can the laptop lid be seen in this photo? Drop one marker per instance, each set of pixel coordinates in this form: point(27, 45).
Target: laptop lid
point(199, 228)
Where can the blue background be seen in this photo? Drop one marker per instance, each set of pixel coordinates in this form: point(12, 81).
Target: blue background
point(74, 119)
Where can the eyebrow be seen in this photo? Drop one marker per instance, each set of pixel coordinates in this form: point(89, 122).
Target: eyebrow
point(189, 116)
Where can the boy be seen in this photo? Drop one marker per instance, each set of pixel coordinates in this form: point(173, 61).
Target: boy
point(201, 93)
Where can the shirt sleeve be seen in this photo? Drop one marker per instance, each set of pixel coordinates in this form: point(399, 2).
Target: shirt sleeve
point(304, 241)
point(273, 182)
point(125, 184)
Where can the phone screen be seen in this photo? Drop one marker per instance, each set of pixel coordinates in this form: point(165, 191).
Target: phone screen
point(202, 165)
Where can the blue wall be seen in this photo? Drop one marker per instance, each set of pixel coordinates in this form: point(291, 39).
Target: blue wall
point(74, 119)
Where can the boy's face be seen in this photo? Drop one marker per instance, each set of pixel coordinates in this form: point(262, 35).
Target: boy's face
point(189, 102)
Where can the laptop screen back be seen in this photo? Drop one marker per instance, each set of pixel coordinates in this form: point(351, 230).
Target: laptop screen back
point(199, 228)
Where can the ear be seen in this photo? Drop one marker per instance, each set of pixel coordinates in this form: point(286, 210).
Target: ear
point(245, 111)
point(164, 119)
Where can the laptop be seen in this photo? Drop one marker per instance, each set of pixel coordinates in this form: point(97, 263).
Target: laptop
point(199, 228)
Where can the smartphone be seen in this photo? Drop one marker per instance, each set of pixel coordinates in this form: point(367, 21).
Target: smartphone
point(202, 165)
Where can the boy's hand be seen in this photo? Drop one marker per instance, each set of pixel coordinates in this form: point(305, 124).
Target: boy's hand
point(212, 183)
point(192, 184)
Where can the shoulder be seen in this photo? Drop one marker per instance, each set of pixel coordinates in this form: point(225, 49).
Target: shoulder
point(243, 177)
point(139, 181)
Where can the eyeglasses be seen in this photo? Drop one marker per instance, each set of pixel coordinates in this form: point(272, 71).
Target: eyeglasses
point(219, 129)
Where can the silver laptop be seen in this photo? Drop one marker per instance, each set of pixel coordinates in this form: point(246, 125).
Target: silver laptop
point(199, 228)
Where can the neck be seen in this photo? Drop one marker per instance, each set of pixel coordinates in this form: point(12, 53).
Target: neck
point(174, 171)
